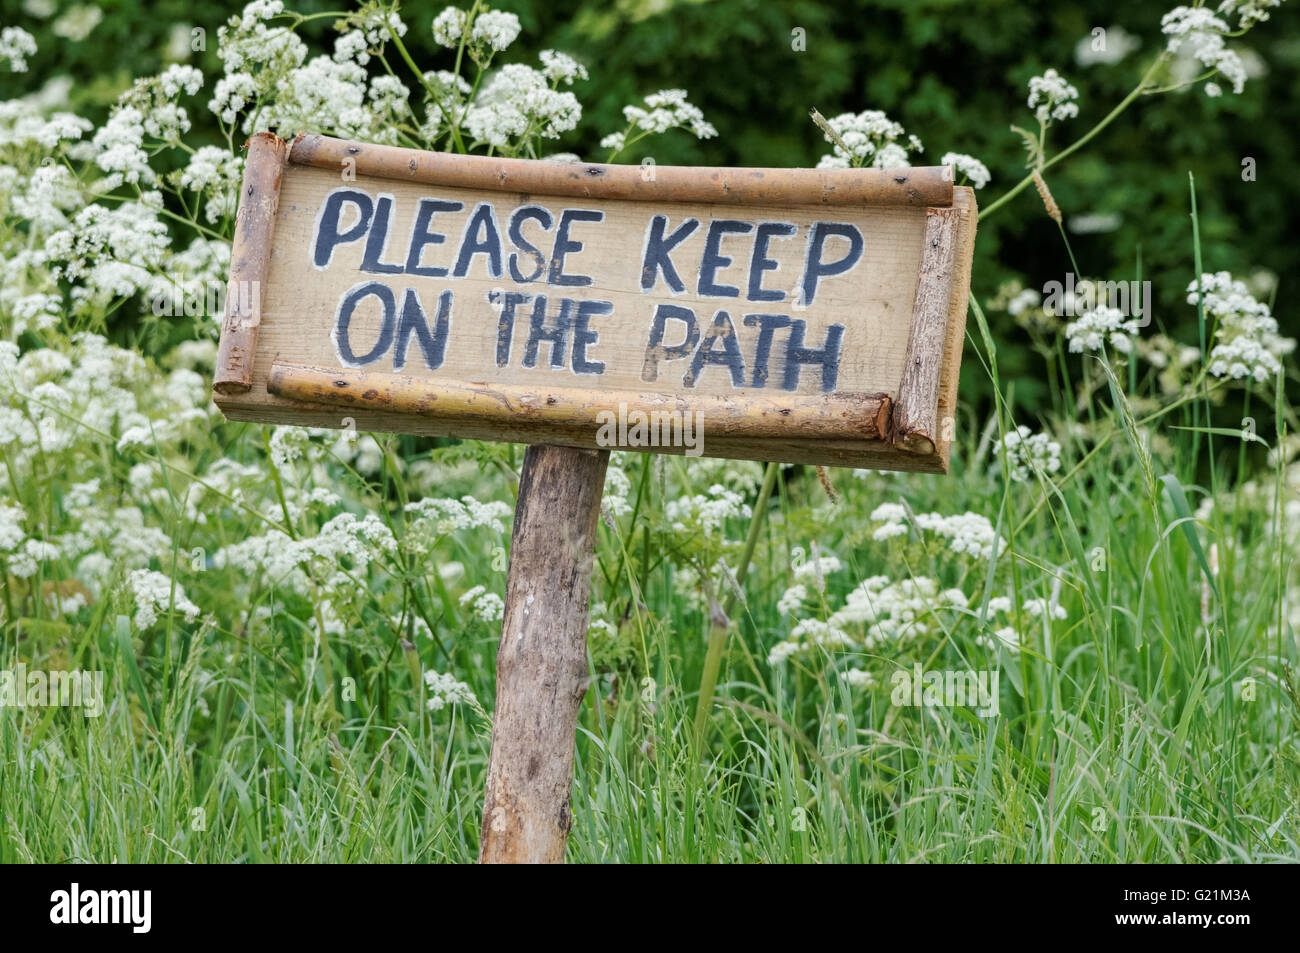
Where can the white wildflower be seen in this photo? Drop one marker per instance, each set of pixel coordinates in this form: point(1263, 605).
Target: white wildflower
point(449, 27)
point(1246, 340)
point(11, 530)
point(495, 28)
point(1101, 326)
point(153, 593)
point(975, 170)
point(792, 600)
point(446, 690)
point(1052, 97)
point(16, 44)
point(1198, 33)
point(869, 138)
point(487, 606)
point(859, 678)
point(1030, 454)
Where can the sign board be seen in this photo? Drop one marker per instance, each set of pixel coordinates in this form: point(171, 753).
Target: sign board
point(801, 315)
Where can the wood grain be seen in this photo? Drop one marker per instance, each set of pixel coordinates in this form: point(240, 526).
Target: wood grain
point(916, 412)
point(958, 306)
point(918, 186)
point(542, 670)
point(846, 416)
point(250, 253)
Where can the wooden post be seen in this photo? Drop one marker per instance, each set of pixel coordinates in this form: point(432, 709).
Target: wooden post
point(542, 658)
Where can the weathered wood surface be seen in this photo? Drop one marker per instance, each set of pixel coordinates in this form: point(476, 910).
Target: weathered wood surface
point(918, 186)
point(474, 342)
point(250, 253)
point(916, 413)
point(846, 416)
point(542, 670)
point(958, 306)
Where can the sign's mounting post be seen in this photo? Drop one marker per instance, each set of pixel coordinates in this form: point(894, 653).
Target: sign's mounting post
point(542, 658)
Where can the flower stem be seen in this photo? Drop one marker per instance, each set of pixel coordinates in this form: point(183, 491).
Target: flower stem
point(720, 616)
point(1083, 140)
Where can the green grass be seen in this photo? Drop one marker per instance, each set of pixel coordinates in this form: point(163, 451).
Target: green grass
point(1123, 739)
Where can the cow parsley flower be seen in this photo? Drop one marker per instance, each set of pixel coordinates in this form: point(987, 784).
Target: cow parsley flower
point(16, 44)
point(1198, 33)
point(896, 612)
point(11, 530)
point(1246, 339)
point(792, 600)
point(516, 102)
point(816, 570)
point(449, 27)
point(447, 690)
point(869, 138)
point(859, 678)
point(1030, 454)
point(1040, 606)
point(1100, 326)
point(153, 593)
point(1006, 637)
point(496, 29)
point(662, 111)
point(1248, 12)
point(216, 173)
point(119, 145)
point(560, 67)
point(706, 513)
point(973, 169)
point(487, 606)
point(1052, 97)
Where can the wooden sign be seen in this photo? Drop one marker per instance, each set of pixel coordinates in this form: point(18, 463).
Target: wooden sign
point(800, 315)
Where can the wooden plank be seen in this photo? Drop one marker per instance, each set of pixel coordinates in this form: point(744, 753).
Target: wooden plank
point(916, 413)
point(848, 416)
point(958, 306)
point(249, 258)
point(917, 186)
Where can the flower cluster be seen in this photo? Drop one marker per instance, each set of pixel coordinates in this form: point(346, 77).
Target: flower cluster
point(662, 111)
point(970, 167)
point(868, 138)
point(1030, 454)
point(447, 690)
point(1051, 97)
point(967, 534)
point(486, 606)
point(1101, 326)
point(518, 102)
point(16, 44)
point(706, 513)
point(1196, 32)
point(878, 615)
point(155, 593)
point(1246, 339)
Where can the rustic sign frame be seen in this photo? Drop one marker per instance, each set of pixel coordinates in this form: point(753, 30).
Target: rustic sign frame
point(906, 429)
